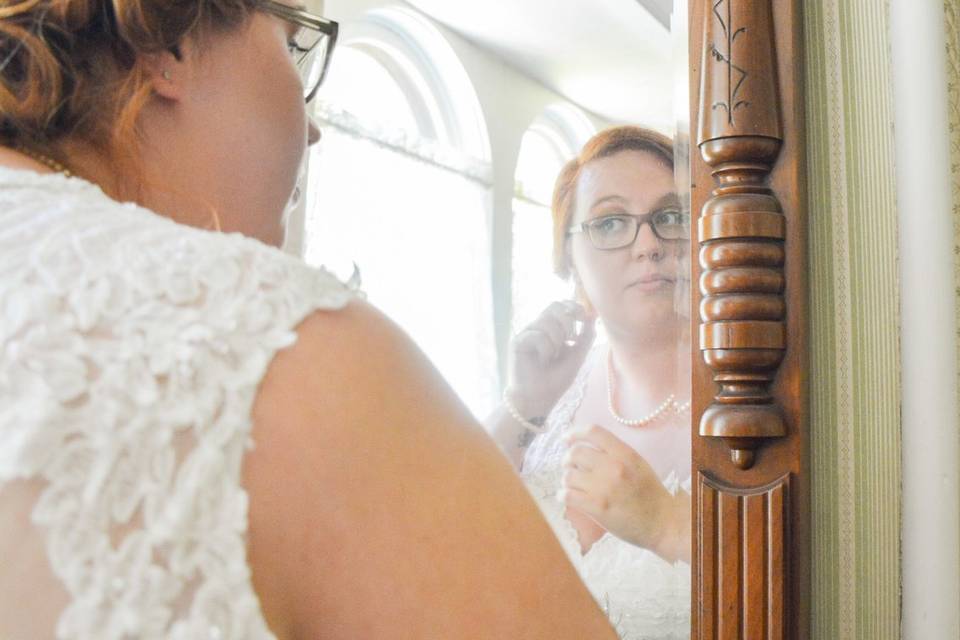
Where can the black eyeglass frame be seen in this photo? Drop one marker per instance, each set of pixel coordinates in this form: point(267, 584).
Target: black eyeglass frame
point(307, 20)
point(642, 219)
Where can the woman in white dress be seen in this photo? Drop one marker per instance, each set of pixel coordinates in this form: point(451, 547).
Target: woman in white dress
point(200, 436)
point(601, 433)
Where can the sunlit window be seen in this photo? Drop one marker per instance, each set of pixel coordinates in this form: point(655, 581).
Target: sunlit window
point(423, 253)
point(544, 150)
point(361, 86)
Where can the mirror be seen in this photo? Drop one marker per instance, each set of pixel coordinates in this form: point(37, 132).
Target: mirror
point(446, 127)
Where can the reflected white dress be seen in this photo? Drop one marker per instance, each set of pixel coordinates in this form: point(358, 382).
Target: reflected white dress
point(131, 349)
point(645, 596)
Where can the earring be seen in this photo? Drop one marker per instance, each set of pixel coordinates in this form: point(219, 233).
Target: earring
point(167, 75)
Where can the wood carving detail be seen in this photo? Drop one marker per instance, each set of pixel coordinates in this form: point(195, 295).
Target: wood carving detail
point(723, 12)
point(742, 227)
point(743, 569)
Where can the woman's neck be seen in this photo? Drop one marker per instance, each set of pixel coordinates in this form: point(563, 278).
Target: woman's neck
point(657, 364)
point(92, 165)
point(138, 184)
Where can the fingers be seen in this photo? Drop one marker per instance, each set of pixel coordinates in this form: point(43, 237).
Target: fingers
point(537, 341)
point(569, 308)
point(573, 314)
point(555, 330)
point(577, 479)
point(583, 457)
point(546, 336)
point(581, 500)
point(603, 440)
point(592, 471)
point(557, 326)
point(588, 332)
point(563, 318)
point(582, 343)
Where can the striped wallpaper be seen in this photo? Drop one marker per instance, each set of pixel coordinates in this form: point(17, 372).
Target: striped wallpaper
point(854, 378)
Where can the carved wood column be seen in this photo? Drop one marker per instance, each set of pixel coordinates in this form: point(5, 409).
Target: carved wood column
point(741, 227)
point(750, 496)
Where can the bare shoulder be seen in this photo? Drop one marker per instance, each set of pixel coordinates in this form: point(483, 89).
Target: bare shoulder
point(380, 509)
point(342, 359)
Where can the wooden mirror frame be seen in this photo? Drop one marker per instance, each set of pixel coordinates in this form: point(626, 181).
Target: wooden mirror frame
point(750, 500)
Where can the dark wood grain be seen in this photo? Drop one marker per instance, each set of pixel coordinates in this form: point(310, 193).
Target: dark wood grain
point(748, 190)
point(743, 546)
point(741, 228)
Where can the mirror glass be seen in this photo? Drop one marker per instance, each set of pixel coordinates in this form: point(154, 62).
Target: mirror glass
point(504, 178)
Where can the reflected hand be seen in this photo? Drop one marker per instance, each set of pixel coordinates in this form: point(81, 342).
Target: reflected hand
point(607, 480)
point(547, 355)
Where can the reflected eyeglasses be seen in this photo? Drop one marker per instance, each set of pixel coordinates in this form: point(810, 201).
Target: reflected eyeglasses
point(620, 229)
point(311, 45)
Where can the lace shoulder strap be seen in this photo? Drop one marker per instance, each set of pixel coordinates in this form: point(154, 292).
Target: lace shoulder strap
point(132, 357)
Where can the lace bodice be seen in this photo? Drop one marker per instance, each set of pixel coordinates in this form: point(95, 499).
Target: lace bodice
point(131, 349)
point(645, 597)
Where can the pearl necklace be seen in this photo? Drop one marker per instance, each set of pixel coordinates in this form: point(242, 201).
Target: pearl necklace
point(670, 404)
point(45, 160)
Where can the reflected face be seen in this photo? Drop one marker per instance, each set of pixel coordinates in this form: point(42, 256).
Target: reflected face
point(631, 288)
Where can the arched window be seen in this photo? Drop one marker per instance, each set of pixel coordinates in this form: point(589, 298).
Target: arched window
point(398, 112)
point(553, 139)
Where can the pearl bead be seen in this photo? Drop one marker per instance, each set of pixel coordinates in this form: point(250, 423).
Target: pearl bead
point(669, 403)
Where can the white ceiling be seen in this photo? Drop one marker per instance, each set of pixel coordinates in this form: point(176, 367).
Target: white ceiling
point(611, 57)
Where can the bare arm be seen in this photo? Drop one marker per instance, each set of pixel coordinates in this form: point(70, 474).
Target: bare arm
point(380, 509)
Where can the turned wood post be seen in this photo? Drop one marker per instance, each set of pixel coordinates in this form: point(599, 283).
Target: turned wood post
point(741, 227)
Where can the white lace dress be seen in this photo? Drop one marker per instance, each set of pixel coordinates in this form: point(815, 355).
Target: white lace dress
point(645, 596)
point(131, 349)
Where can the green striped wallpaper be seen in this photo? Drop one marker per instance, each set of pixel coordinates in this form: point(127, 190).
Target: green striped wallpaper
point(854, 380)
point(952, 24)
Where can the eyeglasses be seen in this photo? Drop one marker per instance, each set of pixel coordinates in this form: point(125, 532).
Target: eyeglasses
point(311, 45)
point(620, 229)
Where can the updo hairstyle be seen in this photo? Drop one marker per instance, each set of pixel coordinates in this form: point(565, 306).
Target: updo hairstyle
point(73, 69)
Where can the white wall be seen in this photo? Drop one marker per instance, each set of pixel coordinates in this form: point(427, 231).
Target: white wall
point(931, 452)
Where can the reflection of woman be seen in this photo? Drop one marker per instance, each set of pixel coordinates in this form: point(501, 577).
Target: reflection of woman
point(601, 433)
point(140, 359)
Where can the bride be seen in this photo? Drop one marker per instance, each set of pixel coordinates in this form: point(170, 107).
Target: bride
point(200, 436)
point(601, 433)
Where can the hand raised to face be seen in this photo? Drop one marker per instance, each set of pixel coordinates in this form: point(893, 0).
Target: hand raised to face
point(547, 355)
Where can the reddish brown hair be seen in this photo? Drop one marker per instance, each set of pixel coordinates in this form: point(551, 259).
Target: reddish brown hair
point(604, 144)
point(73, 69)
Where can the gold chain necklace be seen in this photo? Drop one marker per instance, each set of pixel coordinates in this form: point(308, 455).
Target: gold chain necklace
point(45, 160)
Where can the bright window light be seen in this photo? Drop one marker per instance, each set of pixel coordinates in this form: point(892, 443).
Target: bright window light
point(534, 286)
point(423, 251)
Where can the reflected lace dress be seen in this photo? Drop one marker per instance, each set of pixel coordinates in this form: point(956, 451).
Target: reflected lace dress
point(131, 348)
point(645, 597)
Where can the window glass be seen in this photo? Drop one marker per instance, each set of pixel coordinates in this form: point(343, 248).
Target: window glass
point(423, 253)
point(534, 285)
point(364, 88)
